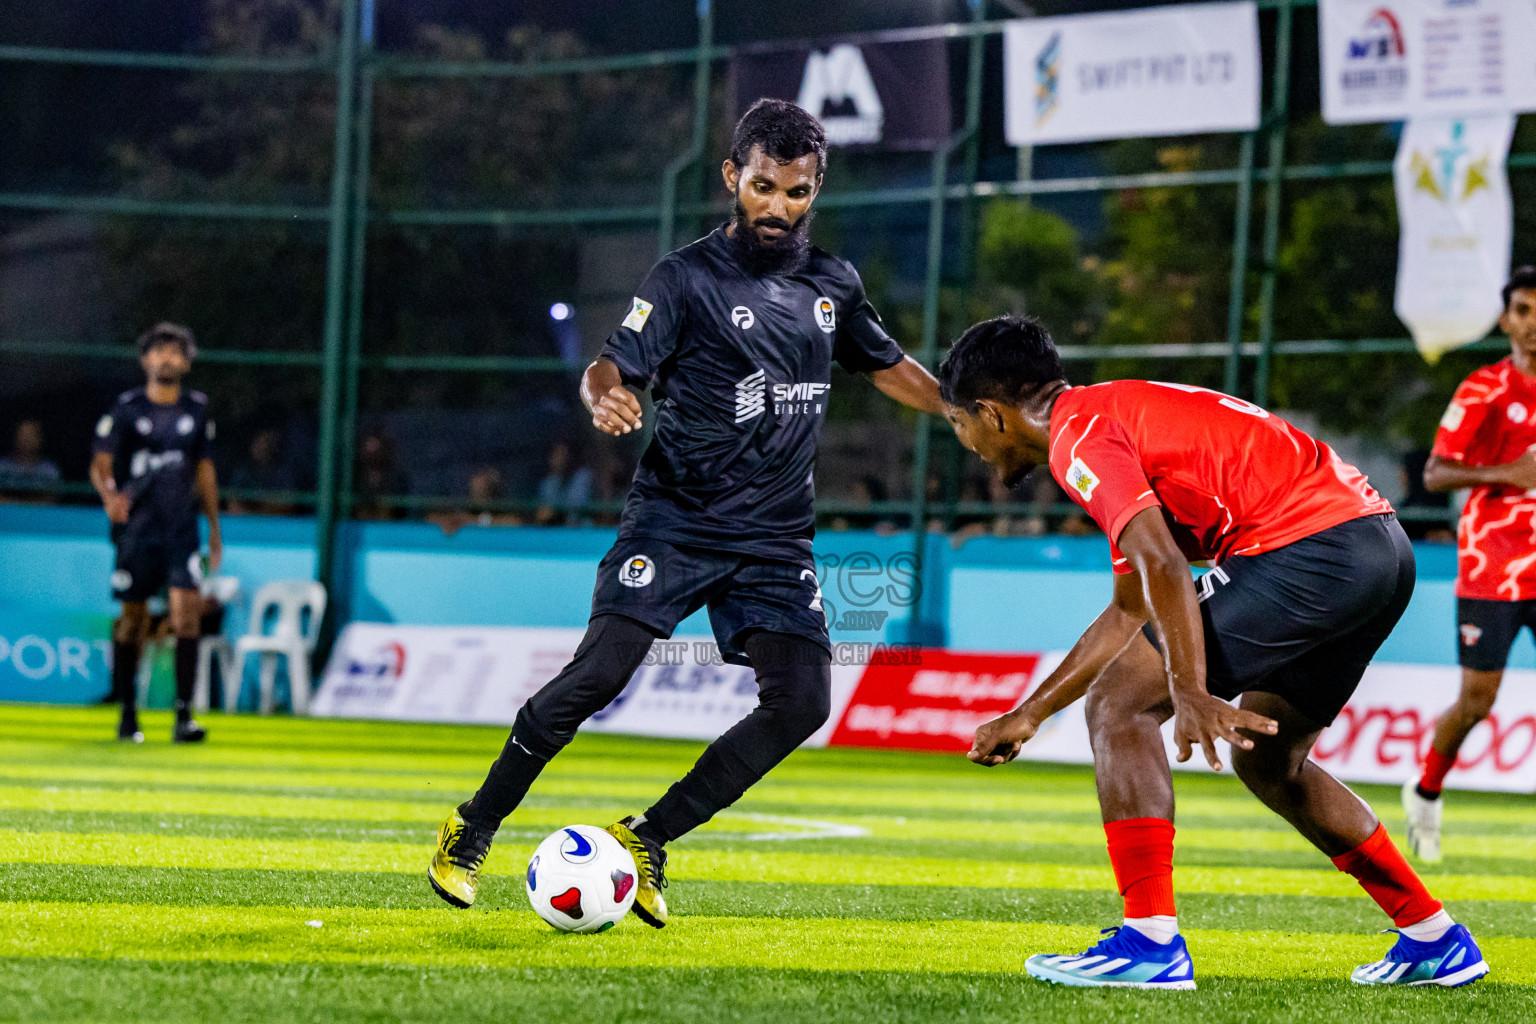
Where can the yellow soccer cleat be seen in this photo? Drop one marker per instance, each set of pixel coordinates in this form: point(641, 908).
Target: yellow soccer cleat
point(651, 863)
point(461, 849)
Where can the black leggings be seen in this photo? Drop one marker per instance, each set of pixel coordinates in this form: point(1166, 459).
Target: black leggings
point(794, 679)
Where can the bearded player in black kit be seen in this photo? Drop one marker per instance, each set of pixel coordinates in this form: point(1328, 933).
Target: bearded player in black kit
point(735, 334)
point(152, 465)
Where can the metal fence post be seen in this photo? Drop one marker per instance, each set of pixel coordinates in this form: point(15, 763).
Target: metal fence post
point(1279, 114)
point(335, 296)
point(928, 354)
point(667, 228)
point(1237, 299)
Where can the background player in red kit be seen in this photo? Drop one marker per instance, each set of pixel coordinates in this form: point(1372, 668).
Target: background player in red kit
point(1485, 443)
point(1311, 573)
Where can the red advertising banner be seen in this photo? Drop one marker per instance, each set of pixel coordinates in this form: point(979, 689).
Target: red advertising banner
point(935, 704)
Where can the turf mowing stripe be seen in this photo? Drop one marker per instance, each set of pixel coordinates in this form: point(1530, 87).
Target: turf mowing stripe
point(446, 938)
point(740, 865)
point(192, 887)
point(737, 823)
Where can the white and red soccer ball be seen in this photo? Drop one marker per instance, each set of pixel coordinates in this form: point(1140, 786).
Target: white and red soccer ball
point(581, 879)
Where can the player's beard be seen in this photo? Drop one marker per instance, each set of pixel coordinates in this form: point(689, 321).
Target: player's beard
point(783, 255)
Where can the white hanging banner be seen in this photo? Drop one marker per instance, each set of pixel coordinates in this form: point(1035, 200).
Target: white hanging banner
point(1455, 217)
point(1392, 60)
point(1159, 71)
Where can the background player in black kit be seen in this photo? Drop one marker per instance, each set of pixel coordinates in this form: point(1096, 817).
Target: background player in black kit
point(152, 466)
point(735, 335)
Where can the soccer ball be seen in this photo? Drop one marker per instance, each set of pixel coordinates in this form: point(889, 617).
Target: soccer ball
point(581, 879)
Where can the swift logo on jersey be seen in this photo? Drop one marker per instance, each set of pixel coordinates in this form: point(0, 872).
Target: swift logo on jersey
point(793, 399)
point(750, 396)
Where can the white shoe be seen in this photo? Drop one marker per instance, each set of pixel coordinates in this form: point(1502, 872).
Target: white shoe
point(1423, 823)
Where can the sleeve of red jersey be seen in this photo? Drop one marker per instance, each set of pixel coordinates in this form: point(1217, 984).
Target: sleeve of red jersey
point(1463, 418)
point(1099, 468)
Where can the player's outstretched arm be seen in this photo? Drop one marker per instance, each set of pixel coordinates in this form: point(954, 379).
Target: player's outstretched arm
point(615, 410)
point(1168, 591)
point(1441, 475)
point(208, 498)
point(999, 741)
point(910, 383)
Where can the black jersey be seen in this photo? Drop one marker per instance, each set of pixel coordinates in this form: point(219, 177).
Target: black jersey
point(740, 368)
point(155, 451)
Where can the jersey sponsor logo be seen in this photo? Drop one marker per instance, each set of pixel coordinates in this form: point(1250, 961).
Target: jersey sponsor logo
point(184, 425)
point(145, 461)
point(799, 399)
point(104, 426)
point(122, 579)
point(1454, 414)
point(1470, 634)
point(751, 391)
point(143, 425)
point(826, 314)
point(639, 312)
point(742, 317)
point(1082, 479)
point(637, 571)
point(1517, 412)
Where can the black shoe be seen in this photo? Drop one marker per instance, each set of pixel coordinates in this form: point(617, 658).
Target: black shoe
point(189, 732)
point(128, 731)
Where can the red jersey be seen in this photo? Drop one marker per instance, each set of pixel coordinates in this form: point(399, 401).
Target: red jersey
point(1230, 478)
point(1492, 420)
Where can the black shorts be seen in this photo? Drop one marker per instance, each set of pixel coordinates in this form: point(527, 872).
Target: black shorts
point(1303, 621)
point(147, 565)
point(1486, 630)
point(659, 584)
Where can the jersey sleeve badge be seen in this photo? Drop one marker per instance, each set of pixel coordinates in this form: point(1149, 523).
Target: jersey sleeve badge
point(1454, 414)
point(1082, 479)
point(639, 313)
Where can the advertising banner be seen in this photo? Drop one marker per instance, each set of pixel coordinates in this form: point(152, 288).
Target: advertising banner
point(900, 698)
point(1455, 221)
point(1160, 71)
point(890, 95)
point(54, 656)
point(1390, 60)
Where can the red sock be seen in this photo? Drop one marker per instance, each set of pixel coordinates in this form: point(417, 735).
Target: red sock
point(1141, 851)
point(1436, 765)
point(1385, 875)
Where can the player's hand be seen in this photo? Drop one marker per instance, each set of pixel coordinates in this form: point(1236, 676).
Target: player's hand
point(117, 504)
point(1202, 719)
point(215, 554)
point(998, 741)
point(617, 412)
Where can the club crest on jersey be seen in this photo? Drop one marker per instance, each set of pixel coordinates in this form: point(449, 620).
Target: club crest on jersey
point(1517, 412)
point(1082, 479)
point(637, 571)
point(742, 317)
point(639, 313)
point(184, 425)
point(826, 314)
point(1470, 634)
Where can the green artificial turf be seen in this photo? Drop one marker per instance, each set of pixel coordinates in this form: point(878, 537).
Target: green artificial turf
point(277, 874)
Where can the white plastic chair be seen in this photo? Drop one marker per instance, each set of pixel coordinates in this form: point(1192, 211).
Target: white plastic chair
point(299, 607)
point(225, 590)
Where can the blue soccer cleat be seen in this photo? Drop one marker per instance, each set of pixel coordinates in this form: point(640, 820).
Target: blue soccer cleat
point(1126, 959)
point(1452, 960)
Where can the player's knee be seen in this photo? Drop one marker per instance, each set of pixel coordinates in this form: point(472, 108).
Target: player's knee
point(534, 737)
point(1477, 701)
point(131, 625)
